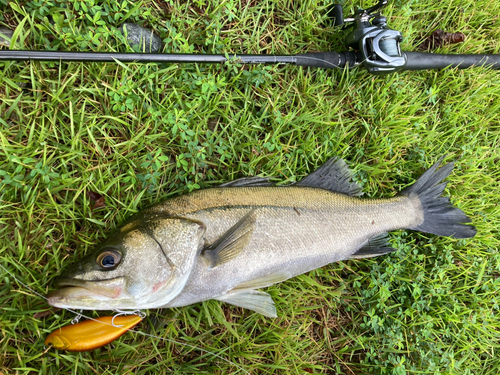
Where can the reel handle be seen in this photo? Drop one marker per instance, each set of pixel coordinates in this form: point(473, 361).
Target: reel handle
point(380, 4)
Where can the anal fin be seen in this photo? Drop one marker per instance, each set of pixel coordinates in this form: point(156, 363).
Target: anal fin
point(377, 245)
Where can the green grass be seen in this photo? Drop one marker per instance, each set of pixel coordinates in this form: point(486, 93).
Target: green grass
point(141, 133)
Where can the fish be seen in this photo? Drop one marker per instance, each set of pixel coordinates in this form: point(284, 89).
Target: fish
point(227, 242)
point(91, 334)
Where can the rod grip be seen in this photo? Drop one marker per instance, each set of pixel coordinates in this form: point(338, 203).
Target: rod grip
point(329, 60)
point(424, 61)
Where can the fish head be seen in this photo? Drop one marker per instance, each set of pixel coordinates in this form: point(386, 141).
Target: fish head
point(145, 264)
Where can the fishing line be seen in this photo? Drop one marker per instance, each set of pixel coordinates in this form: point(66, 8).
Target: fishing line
point(330, 63)
point(123, 312)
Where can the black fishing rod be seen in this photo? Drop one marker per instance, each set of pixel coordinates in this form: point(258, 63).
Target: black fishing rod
point(373, 45)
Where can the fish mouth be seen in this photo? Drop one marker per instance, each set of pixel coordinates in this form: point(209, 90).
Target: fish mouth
point(76, 293)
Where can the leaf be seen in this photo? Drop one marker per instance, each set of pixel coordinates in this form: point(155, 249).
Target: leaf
point(43, 314)
point(96, 199)
point(17, 32)
point(131, 11)
point(440, 38)
point(98, 222)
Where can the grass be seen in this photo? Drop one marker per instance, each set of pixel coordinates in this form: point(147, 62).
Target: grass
point(138, 134)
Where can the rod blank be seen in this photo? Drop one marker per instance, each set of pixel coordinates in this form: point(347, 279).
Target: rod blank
point(142, 57)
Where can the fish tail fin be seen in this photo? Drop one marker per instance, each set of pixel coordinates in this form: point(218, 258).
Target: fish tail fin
point(440, 217)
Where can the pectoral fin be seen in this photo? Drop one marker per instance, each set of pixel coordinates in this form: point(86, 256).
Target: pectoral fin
point(251, 299)
point(231, 243)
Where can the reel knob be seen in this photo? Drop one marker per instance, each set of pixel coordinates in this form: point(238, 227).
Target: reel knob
point(336, 13)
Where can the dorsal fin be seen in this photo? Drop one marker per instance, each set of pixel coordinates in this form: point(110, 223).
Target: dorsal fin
point(248, 182)
point(335, 176)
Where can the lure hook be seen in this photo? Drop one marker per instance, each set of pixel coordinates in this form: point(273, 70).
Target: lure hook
point(140, 313)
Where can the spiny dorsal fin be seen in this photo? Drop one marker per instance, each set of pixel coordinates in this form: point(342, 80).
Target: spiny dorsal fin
point(335, 176)
point(251, 299)
point(249, 182)
point(377, 245)
point(231, 243)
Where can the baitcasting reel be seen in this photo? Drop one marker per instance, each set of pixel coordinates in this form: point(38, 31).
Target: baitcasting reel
point(378, 46)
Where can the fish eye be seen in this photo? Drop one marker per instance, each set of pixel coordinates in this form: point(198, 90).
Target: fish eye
point(109, 258)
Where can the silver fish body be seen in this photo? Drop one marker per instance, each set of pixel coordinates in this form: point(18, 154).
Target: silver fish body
point(224, 243)
point(295, 230)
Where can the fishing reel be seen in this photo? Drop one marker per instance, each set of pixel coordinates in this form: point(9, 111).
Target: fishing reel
point(377, 46)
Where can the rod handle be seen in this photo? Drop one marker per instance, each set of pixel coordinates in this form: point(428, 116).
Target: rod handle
point(424, 61)
point(328, 60)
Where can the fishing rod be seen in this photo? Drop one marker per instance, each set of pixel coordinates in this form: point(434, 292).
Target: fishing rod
point(371, 43)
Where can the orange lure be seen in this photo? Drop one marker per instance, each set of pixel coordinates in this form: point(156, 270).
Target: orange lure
point(90, 334)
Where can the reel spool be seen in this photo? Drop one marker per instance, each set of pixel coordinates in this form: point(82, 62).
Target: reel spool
point(378, 46)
